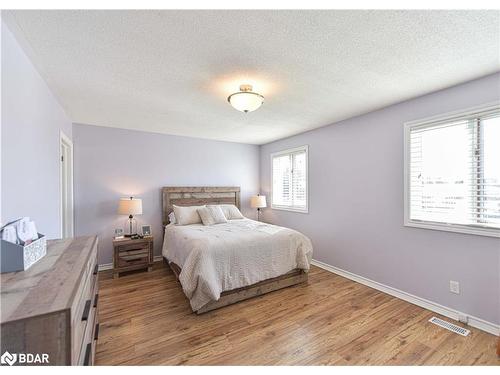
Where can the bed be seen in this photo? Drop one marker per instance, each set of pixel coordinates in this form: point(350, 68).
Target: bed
point(222, 264)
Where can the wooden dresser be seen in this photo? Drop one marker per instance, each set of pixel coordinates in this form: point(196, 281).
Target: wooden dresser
point(52, 307)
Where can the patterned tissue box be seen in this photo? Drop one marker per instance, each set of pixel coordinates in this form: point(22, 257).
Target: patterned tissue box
point(20, 258)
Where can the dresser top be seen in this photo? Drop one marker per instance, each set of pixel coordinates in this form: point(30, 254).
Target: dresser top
point(50, 284)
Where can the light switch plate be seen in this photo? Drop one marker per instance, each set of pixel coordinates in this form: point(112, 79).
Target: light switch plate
point(454, 287)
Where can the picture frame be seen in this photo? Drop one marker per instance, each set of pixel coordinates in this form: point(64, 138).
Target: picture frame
point(119, 233)
point(146, 230)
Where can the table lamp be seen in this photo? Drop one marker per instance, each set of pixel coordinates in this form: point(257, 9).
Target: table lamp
point(258, 202)
point(130, 206)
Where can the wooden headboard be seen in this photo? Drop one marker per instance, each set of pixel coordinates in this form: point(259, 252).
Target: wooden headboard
point(194, 196)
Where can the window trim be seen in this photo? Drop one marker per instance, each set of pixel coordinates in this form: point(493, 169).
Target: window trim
point(428, 122)
point(285, 152)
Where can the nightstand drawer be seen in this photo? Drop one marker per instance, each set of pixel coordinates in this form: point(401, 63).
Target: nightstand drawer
point(144, 245)
point(133, 260)
point(123, 253)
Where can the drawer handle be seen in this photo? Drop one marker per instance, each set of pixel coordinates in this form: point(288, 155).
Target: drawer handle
point(88, 350)
point(86, 310)
point(96, 333)
point(96, 299)
point(96, 269)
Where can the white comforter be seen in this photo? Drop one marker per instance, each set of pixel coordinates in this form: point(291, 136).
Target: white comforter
point(223, 257)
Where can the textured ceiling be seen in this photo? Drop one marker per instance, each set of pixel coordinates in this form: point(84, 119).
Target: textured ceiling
point(171, 71)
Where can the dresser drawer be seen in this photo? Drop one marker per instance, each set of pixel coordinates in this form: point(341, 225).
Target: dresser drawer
point(87, 349)
point(88, 353)
point(81, 312)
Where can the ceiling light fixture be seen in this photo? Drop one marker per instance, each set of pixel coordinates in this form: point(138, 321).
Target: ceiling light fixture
point(246, 100)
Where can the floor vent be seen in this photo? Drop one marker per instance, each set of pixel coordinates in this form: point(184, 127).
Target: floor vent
point(449, 326)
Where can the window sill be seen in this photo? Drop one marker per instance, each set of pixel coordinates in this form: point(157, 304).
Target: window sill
point(489, 232)
point(299, 210)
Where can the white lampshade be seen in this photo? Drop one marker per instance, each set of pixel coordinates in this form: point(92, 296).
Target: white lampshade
point(258, 201)
point(246, 100)
point(130, 206)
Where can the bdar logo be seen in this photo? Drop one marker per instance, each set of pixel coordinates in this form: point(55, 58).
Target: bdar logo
point(23, 358)
point(8, 359)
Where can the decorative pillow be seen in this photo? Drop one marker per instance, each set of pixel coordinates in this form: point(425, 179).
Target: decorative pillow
point(206, 216)
point(217, 214)
point(211, 215)
point(185, 215)
point(231, 212)
point(171, 217)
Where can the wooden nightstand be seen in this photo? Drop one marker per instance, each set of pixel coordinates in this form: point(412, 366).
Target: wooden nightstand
point(132, 255)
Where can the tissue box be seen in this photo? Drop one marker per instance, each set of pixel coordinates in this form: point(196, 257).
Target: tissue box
point(20, 258)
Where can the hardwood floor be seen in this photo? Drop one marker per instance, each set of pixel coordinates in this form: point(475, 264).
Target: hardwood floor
point(146, 320)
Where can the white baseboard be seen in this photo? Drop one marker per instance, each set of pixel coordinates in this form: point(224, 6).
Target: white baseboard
point(426, 304)
point(109, 266)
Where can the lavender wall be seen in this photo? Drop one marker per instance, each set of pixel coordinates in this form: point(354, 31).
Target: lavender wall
point(31, 121)
point(355, 215)
point(112, 163)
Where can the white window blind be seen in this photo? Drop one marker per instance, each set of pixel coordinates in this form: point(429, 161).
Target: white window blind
point(453, 173)
point(289, 179)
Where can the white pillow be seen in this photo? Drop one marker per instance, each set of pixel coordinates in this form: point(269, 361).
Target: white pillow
point(185, 215)
point(231, 212)
point(171, 217)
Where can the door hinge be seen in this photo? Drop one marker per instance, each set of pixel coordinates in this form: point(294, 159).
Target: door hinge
point(62, 157)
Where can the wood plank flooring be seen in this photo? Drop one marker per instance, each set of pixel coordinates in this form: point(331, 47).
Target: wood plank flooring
point(146, 320)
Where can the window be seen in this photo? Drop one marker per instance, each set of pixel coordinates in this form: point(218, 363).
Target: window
point(289, 179)
point(452, 172)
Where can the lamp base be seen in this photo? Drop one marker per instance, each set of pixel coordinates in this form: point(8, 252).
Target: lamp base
point(130, 227)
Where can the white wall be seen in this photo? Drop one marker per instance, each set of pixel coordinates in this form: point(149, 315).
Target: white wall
point(31, 121)
point(355, 215)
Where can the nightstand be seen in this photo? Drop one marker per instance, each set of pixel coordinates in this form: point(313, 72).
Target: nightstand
point(132, 255)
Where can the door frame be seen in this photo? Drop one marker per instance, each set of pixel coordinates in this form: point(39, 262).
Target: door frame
point(64, 140)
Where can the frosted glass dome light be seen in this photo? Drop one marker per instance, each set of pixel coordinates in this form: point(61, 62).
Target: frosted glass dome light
point(246, 100)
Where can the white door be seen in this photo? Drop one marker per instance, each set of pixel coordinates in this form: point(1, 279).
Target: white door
point(66, 187)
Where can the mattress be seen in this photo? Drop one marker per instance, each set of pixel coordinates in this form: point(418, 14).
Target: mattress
point(223, 257)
